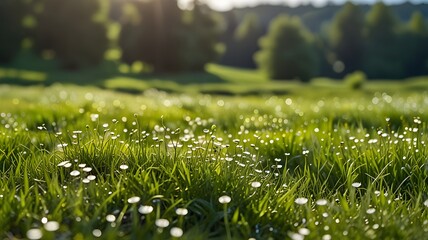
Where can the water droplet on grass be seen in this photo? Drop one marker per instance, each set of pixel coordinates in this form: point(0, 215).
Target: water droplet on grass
point(326, 237)
point(321, 202)
point(304, 231)
point(63, 163)
point(34, 234)
point(296, 236)
point(110, 218)
point(301, 201)
point(145, 209)
point(371, 211)
point(256, 184)
point(91, 177)
point(176, 232)
point(61, 145)
point(224, 199)
point(181, 211)
point(51, 226)
point(162, 223)
point(123, 167)
point(97, 233)
point(134, 199)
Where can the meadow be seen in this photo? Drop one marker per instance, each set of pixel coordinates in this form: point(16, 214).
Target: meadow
point(311, 162)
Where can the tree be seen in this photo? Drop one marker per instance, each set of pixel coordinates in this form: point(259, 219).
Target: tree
point(132, 40)
point(163, 36)
point(167, 32)
point(68, 29)
point(11, 29)
point(417, 24)
point(415, 49)
point(287, 51)
point(246, 37)
point(383, 58)
point(382, 24)
point(227, 38)
point(347, 37)
point(154, 35)
point(199, 39)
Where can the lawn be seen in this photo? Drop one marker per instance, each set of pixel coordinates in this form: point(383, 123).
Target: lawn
point(29, 70)
point(86, 163)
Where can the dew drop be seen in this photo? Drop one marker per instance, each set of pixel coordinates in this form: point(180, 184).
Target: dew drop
point(181, 211)
point(123, 167)
point(51, 226)
point(134, 199)
point(34, 234)
point(97, 233)
point(176, 232)
point(162, 223)
point(321, 202)
point(371, 211)
point(256, 184)
point(224, 199)
point(145, 209)
point(110, 218)
point(301, 201)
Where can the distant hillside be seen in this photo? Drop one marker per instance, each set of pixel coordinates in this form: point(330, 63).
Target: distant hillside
point(314, 17)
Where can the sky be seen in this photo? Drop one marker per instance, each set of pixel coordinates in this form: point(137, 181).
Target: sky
point(224, 5)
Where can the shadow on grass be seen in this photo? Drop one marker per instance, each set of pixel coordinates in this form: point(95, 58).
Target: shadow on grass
point(29, 70)
point(106, 75)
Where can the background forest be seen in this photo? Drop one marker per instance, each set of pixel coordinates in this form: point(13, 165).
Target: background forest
point(374, 41)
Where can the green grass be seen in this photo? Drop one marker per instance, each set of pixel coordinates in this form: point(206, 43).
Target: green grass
point(85, 163)
point(28, 70)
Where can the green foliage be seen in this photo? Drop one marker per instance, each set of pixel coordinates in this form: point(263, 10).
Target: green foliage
point(131, 33)
point(11, 29)
point(228, 38)
point(98, 164)
point(245, 44)
point(151, 34)
point(382, 24)
point(287, 51)
point(417, 24)
point(69, 31)
point(415, 49)
point(163, 32)
point(170, 40)
point(346, 37)
point(383, 59)
point(199, 38)
point(355, 80)
point(250, 24)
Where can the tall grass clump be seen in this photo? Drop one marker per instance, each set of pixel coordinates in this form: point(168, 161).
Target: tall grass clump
point(355, 80)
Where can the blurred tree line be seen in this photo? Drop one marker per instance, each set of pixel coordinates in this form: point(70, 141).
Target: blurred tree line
point(75, 32)
point(169, 39)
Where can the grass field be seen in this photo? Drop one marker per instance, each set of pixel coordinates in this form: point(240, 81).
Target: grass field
point(86, 163)
point(29, 70)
